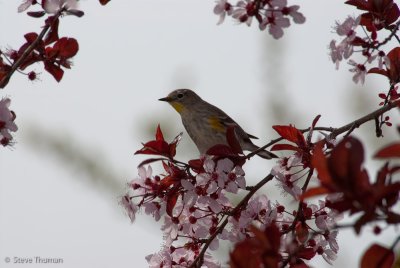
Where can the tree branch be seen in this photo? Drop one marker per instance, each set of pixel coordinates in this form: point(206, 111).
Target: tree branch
point(337, 131)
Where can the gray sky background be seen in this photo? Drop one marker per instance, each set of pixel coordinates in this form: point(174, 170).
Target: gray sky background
point(60, 184)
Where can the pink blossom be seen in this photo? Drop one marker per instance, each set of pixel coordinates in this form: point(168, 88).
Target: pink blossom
point(53, 6)
point(359, 71)
point(323, 248)
point(160, 259)
point(170, 231)
point(287, 181)
point(278, 3)
point(154, 208)
point(347, 28)
point(241, 14)
point(222, 8)
point(25, 5)
point(130, 207)
point(276, 22)
point(7, 124)
point(296, 16)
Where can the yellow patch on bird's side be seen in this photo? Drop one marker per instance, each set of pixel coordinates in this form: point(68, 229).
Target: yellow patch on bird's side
point(216, 124)
point(177, 106)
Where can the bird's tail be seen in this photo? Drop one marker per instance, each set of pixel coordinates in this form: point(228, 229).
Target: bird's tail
point(264, 153)
point(267, 155)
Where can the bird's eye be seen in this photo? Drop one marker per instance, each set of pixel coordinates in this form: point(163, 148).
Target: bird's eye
point(180, 96)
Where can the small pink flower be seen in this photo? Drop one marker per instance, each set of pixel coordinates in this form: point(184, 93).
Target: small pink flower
point(276, 22)
point(347, 28)
point(359, 71)
point(25, 5)
point(241, 14)
point(296, 16)
point(130, 207)
point(222, 9)
point(7, 124)
point(53, 6)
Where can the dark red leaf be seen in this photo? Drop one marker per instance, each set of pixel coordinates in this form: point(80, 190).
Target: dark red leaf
point(346, 166)
point(30, 37)
point(196, 164)
point(360, 4)
point(171, 202)
point(66, 47)
point(291, 133)
point(150, 160)
point(306, 253)
point(377, 70)
point(52, 35)
point(301, 232)
point(36, 14)
point(104, 2)
point(390, 151)
point(232, 140)
point(314, 123)
point(262, 250)
point(156, 147)
point(314, 192)
point(75, 12)
point(159, 134)
point(221, 150)
point(54, 70)
point(377, 256)
point(283, 147)
point(319, 162)
point(392, 218)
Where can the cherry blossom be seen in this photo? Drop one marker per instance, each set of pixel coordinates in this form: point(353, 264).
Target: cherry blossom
point(25, 5)
point(53, 6)
point(359, 71)
point(222, 8)
point(7, 124)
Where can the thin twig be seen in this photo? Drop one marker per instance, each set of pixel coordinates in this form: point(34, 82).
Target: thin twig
point(199, 259)
point(334, 132)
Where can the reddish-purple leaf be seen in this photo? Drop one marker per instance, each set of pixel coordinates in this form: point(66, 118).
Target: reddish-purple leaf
point(52, 35)
point(233, 141)
point(390, 151)
point(36, 14)
point(104, 2)
point(54, 70)
point(314, 192)
point(283, 147)
point(171, 202)
point(377, 256)
point(290, 133)
point(319, 162)
point(221, 150)
point(301, 232)
point(66, 47)
point(159, 134)
point(30, 37)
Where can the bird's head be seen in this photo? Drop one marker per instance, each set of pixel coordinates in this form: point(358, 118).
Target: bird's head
point(181, 99)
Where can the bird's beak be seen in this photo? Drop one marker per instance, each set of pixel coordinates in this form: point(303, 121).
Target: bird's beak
point(167, 99)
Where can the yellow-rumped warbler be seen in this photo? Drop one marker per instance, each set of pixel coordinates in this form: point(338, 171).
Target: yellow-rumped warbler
point(206, 124)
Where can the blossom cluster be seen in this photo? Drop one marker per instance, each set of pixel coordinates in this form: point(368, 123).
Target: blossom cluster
point(271, 14)
point(192, 200)
point(365, 36)
point(7, 124)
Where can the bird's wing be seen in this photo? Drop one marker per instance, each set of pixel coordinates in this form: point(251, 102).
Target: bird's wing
point(227, 121)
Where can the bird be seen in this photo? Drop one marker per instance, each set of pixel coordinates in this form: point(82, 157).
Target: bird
point(207, 125)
